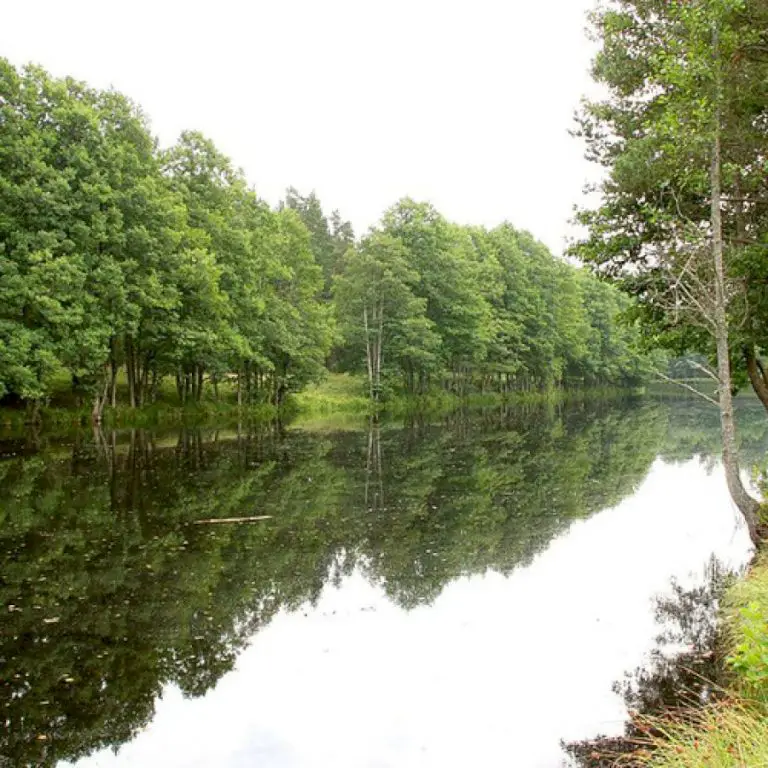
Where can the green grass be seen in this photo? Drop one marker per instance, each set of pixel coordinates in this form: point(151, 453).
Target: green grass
point(746, 612)
point(342, 397)
point(339, 393)
point(732, 733)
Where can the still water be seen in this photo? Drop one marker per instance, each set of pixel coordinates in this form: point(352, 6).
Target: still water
point(460, 591)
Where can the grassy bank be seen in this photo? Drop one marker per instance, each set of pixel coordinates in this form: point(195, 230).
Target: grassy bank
point(342, 393)
point(733, 732)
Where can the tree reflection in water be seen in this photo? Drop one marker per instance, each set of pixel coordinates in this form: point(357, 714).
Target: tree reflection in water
point(111, 593)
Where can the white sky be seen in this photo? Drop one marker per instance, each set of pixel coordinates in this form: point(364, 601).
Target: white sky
point(463, 103)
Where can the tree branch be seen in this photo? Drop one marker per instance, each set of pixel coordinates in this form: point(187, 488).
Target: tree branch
point(689, 388)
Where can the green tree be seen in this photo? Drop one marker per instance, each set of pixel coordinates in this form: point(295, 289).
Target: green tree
point(449, 281)
point(329, 240)
point(379, 312)
point(672, 70)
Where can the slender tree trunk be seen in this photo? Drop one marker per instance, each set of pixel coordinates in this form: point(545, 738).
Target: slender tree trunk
point(153, 385)
point(100, 400)
point(113, 372)
point(144, 388)
point(747, 505)
point(33, 412)
point(368, 352)
point(129, 363)
point(757, 375)
point(378, 349)
point(200, 377)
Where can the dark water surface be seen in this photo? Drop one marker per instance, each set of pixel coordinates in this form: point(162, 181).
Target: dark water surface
point(460, 592)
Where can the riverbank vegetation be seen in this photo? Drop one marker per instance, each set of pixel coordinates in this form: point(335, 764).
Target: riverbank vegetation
point(128, 270)
point(732, 731)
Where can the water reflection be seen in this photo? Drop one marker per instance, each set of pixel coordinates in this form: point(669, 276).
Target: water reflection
point(683, 670)
point(386, 612)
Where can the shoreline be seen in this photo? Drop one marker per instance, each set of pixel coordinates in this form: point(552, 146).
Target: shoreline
point(339, 396)
point(714, 710)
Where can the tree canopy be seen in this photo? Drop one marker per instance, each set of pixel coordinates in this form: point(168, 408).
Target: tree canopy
point(432, 302)
point(668, 84)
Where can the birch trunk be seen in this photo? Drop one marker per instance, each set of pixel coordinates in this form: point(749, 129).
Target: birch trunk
point(368, 351)
point(378, 349)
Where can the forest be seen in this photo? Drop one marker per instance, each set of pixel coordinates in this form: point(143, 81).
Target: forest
point(124, 265)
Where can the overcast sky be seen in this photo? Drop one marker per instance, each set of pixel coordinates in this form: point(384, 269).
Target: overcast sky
point(463, 103)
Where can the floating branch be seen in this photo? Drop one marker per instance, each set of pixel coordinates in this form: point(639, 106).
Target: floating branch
point(221, 520)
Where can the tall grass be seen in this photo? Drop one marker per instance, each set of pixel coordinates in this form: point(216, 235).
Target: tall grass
point(733, 732)
point(729, 734)
point(338, 393)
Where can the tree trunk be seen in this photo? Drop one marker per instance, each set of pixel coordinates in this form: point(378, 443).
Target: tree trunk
point(154, 384)
point(747, 505)
point(368, 351)
point(99, 400)
point(757, 375)
point(144, 386)
point(113, 370)
point(33, 413)
point(129, 373)
point(378, 350)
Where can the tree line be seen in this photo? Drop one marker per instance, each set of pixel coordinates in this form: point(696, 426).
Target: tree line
point(124, 265)
point(682, 133)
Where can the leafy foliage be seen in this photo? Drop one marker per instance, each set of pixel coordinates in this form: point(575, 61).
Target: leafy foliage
point(678, 75)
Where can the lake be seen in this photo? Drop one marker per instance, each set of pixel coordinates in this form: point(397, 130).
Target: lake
point(448, 591)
